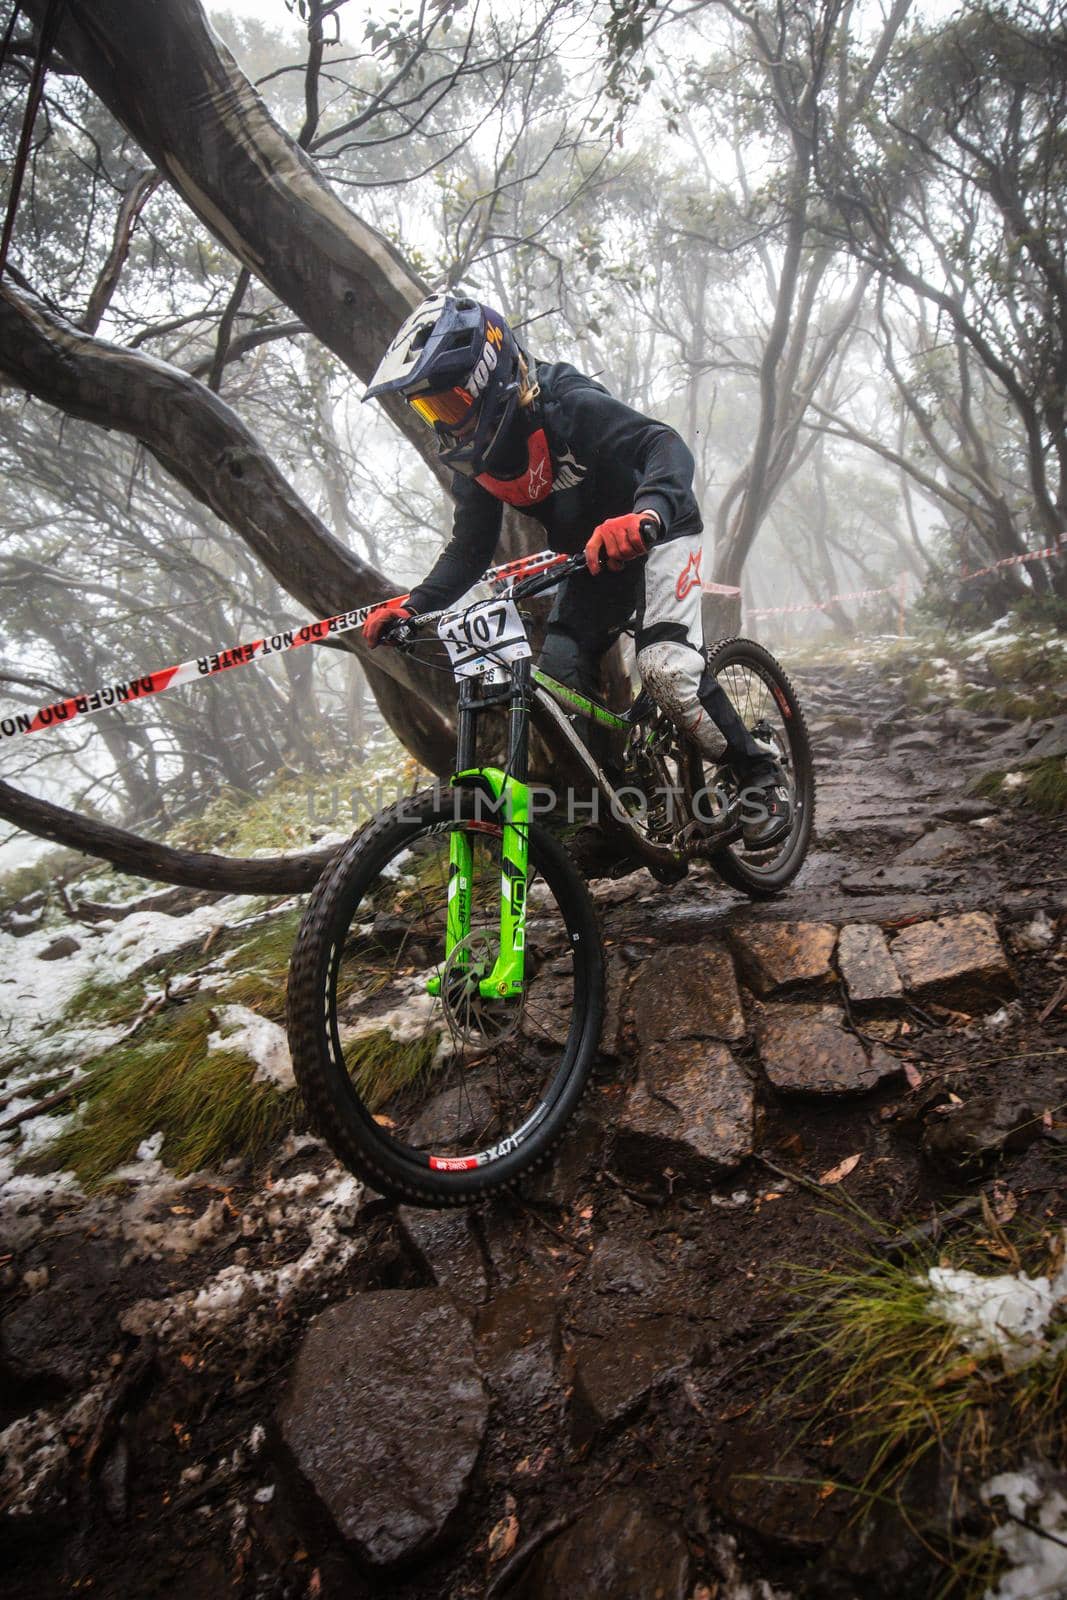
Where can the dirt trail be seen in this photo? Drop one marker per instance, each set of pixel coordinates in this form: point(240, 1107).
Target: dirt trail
point(571, 1391)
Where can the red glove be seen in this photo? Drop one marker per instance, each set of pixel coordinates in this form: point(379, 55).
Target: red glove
point(618, 540)
point(382, 618)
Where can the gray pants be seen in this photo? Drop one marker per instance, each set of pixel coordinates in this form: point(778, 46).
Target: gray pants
point(661, 593)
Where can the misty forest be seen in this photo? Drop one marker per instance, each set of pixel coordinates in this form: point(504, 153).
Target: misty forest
point(460, 1138)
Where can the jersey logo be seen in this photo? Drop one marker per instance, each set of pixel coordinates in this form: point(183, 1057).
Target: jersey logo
point(689, 577)
point(531, 486)
point(568, 472)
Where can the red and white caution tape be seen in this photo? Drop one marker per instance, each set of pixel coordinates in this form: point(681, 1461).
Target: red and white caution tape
point(1014, 561)
point(140, 688)
point(821, 605)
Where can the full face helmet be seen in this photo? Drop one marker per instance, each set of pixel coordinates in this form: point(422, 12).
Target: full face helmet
point(456, 362)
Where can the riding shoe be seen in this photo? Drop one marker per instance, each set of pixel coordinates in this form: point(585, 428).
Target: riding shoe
point(772, 827)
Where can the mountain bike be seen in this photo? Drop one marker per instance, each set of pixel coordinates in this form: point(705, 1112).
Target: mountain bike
point(446, 990)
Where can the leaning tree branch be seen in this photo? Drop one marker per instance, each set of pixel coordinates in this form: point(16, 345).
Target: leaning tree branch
point(244, 177)
point(294, 874)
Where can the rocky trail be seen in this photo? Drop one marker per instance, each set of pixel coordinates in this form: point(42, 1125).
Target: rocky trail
point(276, 1384)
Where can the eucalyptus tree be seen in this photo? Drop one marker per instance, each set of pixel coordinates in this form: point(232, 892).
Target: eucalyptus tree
point(972, 112)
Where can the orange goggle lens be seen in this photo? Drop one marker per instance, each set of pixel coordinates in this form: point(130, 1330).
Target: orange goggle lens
point(449, 406)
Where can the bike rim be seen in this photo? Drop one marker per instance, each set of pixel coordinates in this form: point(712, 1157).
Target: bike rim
point(452, 1081)
point(760, 701)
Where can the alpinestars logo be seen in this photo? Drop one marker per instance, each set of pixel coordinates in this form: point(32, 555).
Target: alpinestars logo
point(569, 472)
point(689, 577)
point(537, 480)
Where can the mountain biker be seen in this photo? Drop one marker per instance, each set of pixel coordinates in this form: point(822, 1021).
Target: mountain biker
point(562, 450)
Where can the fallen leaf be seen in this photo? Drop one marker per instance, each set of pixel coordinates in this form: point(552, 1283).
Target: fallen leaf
point(913, 1075)
point(826, 1490)
point(502, 1539)
point(1005, 1205)
point(842, 1170)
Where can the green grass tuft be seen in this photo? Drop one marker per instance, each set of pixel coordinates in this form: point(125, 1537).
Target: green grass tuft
point(380, 1065)
point(206, 1104)
point(891, 1381)
point(1046, 787)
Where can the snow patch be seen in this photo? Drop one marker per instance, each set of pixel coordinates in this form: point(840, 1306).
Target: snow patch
point(1038, 1553)
point(254, 1296)
point(34, 1454)
point(262, 1041)
point(1008, 1313)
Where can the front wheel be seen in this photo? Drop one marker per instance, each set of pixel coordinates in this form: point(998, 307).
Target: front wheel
point(421, 1086)
point(767, 703)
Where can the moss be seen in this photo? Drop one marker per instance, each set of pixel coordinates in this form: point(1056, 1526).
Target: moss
point(295, 806)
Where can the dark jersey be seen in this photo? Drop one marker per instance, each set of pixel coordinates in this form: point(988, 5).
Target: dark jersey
point(604, 460)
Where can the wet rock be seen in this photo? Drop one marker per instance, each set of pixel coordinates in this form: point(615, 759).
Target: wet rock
point(773, 1491)
point(448, 1250)
point(865, 963)
point(575, 1161)
point(549, 1007)
point(963, 1139)
point(806, 1049)
point(456, 1118)
point(941, 844)
point(687, 993)
point(920, 741)
point(691, 1111)
point(621, 1549)
point(67, 1328)
point(625, 1266)
point(59, 949)
point(956, 959)
point(518, 1341)
point(617, 985)
point(1052, 743)
point(384, 1418)
point(613, 1377)
point(856, 834)
point(885, 880)
point(776, 955)
point(965, 810)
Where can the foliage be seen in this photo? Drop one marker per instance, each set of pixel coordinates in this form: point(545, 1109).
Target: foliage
point(884, 1371)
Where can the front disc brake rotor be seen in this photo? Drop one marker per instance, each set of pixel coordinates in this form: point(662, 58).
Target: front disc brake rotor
point(474, 1020)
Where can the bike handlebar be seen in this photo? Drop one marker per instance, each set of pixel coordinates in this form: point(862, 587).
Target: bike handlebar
point(403, 631)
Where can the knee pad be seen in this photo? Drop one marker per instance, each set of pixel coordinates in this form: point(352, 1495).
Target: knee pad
point(671, 672)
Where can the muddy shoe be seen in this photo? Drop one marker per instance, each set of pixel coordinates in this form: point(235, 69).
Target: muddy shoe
point(775, 806)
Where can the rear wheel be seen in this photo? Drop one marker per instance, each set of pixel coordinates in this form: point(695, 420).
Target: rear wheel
point(425, 1088)
point(767, 703)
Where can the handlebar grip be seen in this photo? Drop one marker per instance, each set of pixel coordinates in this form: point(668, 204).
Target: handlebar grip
point(651, 530)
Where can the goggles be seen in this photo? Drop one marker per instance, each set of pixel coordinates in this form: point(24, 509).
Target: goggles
point(449, 407)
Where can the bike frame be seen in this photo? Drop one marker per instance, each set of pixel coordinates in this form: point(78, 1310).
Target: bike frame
point(526, 692)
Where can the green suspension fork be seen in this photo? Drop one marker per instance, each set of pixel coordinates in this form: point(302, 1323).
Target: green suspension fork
point(506, 978)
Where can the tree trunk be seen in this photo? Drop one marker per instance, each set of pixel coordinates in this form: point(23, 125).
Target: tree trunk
point(173, 84)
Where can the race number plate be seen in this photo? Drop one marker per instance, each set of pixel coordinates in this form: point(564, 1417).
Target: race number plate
point(483, 637)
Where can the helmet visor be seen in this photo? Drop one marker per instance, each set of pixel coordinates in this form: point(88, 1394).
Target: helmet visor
point(449, 407)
